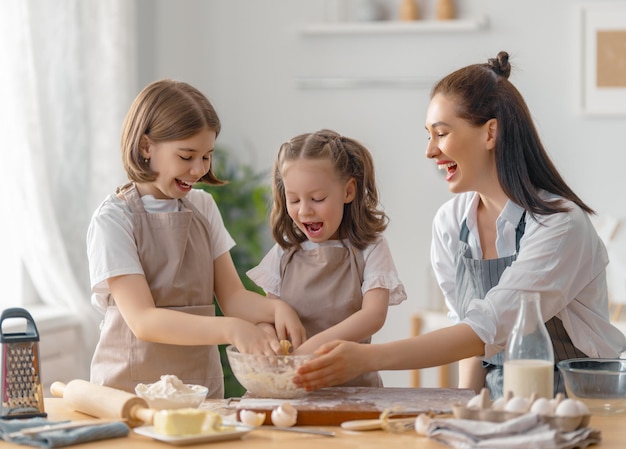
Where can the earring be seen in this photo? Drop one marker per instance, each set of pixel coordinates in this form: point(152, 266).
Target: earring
point(146, 160)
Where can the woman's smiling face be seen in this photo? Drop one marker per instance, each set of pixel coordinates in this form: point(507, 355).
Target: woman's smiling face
point(315, 197)
point(458, 147)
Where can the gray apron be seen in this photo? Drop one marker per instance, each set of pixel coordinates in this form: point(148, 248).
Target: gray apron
point(474, 278)
point(175, 253)
point(323, 285)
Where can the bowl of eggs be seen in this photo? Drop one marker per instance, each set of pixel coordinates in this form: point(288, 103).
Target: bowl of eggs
point(266, 376)
point(599, 383)
point(171, 393)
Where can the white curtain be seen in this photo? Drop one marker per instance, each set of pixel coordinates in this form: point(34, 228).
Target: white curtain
point(67, 75)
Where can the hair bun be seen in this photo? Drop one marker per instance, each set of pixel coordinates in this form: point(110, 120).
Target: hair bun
point(500, 64)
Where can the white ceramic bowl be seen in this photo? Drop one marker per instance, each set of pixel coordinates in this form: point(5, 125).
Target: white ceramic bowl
point(267, 376)
point(192, 398)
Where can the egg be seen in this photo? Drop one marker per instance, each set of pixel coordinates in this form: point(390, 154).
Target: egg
point(541, 407)
point(250, 418)
point(284, 416)
point(582, 407)
point(517, 404)
point(499, 403)
point(554, 403)
point(567, 407)
point(422, 421)
point(475, 402)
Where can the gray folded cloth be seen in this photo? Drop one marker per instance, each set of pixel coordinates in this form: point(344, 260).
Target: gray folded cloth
point(523, 432)
point(59, 438)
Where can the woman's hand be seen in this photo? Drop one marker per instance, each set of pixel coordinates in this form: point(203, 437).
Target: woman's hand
point(287, 324)
point(337, 362)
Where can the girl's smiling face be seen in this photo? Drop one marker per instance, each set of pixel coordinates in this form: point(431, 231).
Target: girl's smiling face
point(463, 150)
point(315, 197)
point(179, 164)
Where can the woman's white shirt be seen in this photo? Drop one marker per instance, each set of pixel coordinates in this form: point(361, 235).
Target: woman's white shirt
point(111, 246)
point(561, 256)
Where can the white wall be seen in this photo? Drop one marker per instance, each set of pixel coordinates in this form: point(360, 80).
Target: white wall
point(246, 55)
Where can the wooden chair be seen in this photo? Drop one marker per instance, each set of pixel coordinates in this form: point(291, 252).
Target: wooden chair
point(612, 231)
point(616, 308)
point(426, 321)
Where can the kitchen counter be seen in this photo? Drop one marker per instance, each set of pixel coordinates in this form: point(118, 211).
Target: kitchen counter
point(612, 428)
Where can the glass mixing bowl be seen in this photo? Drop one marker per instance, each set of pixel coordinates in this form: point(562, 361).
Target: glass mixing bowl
point(599, 383)
point(267, 376)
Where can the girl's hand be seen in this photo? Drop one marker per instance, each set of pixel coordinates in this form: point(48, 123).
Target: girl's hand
point(287, 324)
point(267, 327)
point(250, 338)
point(337, 362)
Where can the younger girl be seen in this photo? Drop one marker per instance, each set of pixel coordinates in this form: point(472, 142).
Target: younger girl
point(158, 253)
point(331, 261)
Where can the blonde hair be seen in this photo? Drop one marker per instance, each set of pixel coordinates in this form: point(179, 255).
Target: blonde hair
point(362, 220)
point(165, 110)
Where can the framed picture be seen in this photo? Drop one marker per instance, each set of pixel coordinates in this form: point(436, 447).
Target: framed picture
point(603, 28)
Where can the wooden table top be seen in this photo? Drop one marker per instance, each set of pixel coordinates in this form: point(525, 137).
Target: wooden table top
point(613, 430)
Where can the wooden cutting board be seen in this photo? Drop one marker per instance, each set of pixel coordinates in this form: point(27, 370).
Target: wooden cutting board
point(332, 406)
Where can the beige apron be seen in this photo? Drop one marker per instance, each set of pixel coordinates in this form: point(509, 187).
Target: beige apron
point(175, 253)
point(323, 285)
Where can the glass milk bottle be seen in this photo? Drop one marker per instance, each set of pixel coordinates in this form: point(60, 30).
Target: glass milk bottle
point(529, 358)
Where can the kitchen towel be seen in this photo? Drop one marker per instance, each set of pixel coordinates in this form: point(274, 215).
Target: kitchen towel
point(59, 438)
point(525, 431)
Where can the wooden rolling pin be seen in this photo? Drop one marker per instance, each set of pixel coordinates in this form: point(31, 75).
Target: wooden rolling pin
point(103, 402)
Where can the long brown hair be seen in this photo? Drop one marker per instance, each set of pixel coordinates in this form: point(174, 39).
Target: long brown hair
point(165, 110)
point(482, 92)
point(363, 219)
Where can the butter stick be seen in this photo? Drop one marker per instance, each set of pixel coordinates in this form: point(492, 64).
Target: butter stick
point(186, 421)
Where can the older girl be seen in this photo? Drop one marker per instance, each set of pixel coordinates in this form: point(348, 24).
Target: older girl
point(159, 253)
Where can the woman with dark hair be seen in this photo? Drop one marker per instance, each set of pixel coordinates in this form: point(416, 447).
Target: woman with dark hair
point(514, 225)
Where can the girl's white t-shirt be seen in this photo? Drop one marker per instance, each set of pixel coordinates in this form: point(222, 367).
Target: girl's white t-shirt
point(111, 247)
point(380, 270)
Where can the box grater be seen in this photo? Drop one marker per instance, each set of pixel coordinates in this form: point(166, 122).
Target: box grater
point(22, 393)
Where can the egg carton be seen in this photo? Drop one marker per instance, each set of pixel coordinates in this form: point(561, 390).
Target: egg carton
point(562, 414)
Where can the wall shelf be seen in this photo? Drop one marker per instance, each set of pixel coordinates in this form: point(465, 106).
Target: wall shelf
point(324, 83)
point(394, 27)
